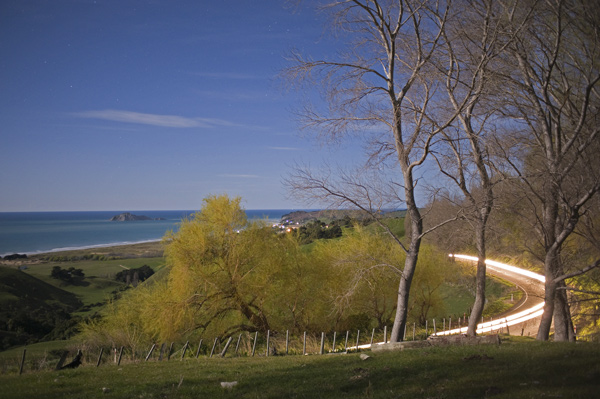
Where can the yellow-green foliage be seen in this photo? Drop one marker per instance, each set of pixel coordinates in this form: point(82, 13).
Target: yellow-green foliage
point(366, 268)
point(227, 274)
point(121, 324)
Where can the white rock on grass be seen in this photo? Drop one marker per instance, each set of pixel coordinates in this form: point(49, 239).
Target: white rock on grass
point(364, 357)
point(228, 385)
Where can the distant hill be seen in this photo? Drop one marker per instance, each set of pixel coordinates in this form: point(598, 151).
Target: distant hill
point(31, 309)
point(128, 217)
point(328, 215)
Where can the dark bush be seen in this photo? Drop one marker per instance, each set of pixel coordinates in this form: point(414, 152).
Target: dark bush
point(134, 276)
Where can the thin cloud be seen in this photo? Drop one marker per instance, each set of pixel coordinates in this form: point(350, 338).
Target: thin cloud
point(153, 119)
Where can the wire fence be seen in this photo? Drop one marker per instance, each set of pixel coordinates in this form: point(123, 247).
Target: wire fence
point(246, 344)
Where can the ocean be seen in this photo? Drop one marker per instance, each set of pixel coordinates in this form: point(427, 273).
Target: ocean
point(38, 232)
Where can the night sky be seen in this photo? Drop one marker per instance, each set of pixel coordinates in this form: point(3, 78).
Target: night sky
point(142, 105)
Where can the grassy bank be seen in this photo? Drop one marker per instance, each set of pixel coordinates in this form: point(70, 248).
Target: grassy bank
point(512, 370)
point(99, 282)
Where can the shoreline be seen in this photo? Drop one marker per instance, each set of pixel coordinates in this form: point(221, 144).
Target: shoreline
point(68, 247)
point(145, 249)
point(84, 248)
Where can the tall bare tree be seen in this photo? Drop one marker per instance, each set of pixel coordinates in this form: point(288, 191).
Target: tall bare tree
point(475, 39)
point(554, 95)
point(381, 87)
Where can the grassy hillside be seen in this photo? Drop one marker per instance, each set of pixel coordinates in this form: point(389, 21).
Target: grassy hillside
point(16, 285)
point(30, 309)
point(511, 370)
point(34, 306)
point(99, 277)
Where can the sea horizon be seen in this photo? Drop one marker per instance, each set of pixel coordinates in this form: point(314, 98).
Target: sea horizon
point(38, 232)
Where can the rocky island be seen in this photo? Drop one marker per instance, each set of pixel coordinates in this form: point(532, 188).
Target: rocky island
point(128, 217)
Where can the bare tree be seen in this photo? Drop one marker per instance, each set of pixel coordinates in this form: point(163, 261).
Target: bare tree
point(381, 88)
point(554, 96)
point(475, 40)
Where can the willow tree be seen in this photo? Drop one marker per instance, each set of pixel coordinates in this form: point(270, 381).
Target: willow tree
point(226, 270)
point(380, 88)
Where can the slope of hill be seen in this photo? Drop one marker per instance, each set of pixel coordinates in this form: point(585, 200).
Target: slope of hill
point(31, 309)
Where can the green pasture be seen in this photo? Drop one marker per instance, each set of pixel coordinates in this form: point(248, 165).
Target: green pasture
point(517, 368)
point(99, 280)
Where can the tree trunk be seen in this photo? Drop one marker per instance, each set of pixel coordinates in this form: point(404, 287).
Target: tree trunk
point(257, 319)
point(563, 324)
point(480, 282)
point(549, 295)
point(549, 223)
point(410, 263)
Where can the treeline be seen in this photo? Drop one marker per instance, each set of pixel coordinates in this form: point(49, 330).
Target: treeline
point(134, 276)
point(318, 230)
point(95, 257)
point(75, 258)
point(70, 276)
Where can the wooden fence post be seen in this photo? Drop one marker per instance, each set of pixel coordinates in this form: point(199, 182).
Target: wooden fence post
point(346, 343)
point(322, 343)
point(150, 353)
point(237, 346)
point(184, 349)
point(170, 351)
point(199, 346)
point(333, 345)
point(287, 341)
point(268, 339)
point(162, 351)
point(404, 335)
point(254, 344)
point(100, 357)
point(226, 346)
point(304, 344)
point(22, 362)
point(372, 336)
point(414, 330)
point(357, 338)
point(385, 334)
point(120, 355)
point(212, 351)
point(434, 329)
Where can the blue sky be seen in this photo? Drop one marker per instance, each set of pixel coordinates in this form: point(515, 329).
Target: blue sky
point(140, 105)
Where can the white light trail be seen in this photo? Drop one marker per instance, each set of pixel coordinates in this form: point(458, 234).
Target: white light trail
point(493, 325)
point(504, 266)
point(527, 314)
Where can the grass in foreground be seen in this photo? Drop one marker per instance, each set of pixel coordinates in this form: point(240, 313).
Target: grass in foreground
point(512, 370)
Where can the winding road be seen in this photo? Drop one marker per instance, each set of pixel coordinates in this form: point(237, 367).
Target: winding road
point(522, 319)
